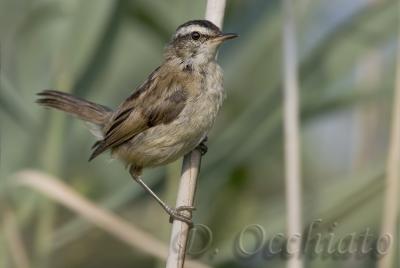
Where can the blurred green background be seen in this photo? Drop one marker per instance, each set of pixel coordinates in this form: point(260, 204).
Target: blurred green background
point(103, 49)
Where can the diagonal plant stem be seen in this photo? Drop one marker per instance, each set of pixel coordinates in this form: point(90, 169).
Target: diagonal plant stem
point(111, 223)
point(292, 133)
point(190, 168)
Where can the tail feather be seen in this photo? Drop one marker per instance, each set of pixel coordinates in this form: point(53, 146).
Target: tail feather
point(83, 109)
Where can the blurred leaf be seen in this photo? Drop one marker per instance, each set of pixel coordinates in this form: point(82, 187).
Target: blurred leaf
point(13, 104)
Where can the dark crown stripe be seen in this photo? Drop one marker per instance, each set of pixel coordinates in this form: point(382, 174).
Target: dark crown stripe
point(202, 23)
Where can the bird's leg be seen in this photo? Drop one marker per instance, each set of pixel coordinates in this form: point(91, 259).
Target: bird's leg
point(202, 147)
point(174, 213)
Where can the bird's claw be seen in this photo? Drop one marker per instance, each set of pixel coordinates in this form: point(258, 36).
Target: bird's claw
point(175, 214)
point(202, 147)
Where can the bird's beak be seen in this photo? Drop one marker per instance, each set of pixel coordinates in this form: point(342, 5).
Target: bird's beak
point(226, 36)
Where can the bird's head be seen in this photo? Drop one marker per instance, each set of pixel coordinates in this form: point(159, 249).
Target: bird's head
point(196, 42)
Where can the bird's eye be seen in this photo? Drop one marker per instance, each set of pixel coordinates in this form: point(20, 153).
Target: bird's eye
point(195, 35)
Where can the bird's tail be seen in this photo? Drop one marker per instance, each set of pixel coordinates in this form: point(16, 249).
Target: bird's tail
point(85, 110)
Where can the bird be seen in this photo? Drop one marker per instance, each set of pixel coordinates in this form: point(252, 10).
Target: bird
point(167, 116)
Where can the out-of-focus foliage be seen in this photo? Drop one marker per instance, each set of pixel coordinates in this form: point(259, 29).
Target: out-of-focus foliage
point(102, 50)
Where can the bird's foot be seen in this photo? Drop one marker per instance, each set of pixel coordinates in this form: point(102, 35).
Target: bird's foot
point(202, 147)
point(175, 214)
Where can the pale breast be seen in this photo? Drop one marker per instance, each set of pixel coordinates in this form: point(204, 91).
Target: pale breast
point(165, 143)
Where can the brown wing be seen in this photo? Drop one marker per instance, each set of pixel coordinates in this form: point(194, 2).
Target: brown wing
point(158, 101)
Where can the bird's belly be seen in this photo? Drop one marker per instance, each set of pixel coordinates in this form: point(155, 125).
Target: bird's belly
point(165, 143)
point(153, 149)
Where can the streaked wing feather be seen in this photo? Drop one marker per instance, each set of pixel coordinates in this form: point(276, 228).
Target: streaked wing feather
point(158, 101)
